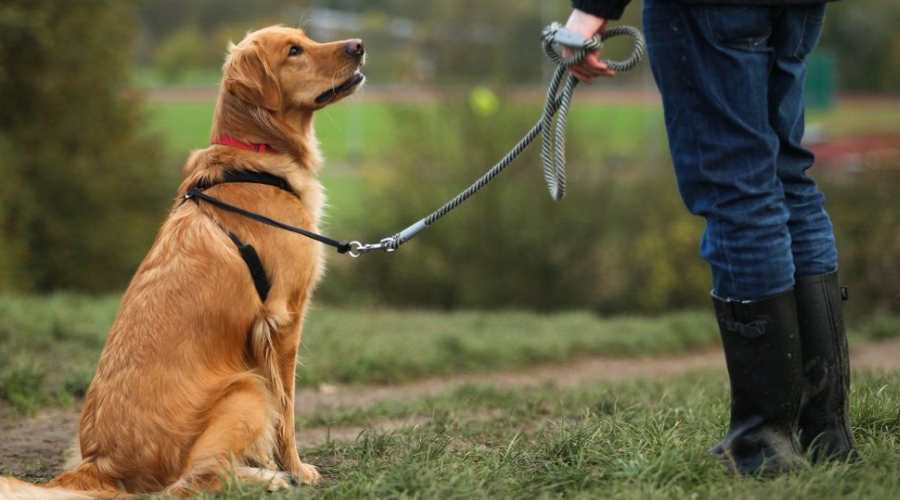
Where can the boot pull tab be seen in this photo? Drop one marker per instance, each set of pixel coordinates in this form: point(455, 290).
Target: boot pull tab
point(749, 330)
point(845, 295)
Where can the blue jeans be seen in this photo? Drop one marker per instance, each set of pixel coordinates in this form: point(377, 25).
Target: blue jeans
point(731, 79)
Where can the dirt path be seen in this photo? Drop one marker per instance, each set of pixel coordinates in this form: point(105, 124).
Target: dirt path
point(34, 448)
point(582, 372)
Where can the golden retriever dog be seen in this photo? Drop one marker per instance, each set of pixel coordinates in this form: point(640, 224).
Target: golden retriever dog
point(196, 381)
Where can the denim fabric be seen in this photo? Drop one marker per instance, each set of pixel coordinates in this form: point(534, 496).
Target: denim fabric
point(732, 78)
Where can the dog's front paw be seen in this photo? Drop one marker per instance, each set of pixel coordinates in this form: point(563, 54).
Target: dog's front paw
point(305, 474)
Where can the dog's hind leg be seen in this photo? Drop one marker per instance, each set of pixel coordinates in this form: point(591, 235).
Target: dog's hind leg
point(238, 430)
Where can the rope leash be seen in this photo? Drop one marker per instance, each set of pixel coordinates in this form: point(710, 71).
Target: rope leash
point(553, 154)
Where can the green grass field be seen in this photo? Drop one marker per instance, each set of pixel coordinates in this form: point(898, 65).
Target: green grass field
point(357, 131)
point(354, 132)
point(645, 438)
point(185, 126)
point(636, 440)
point(858, 118)
point(49, 346)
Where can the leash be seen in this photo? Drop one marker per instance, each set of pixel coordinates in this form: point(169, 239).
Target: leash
point(553, 154)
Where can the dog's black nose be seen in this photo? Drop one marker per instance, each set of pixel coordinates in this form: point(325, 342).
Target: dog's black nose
point(355, 48)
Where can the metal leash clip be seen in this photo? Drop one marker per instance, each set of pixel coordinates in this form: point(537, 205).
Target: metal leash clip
point(357, 248)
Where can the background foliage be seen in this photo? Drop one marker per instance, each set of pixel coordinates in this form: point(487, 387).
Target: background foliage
point(621, 241)
point(466, 41)
point(88, 169)
point(82, 187)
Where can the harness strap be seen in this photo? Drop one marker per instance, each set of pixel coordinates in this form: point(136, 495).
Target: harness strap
point(252, 178)
point(255, 266)
point(247, 252)
point(197, 193)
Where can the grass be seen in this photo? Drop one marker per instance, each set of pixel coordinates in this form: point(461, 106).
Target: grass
point(639, 439)
point(49, 346)
point(353, 131)
point(643, 439)
point(850, 118)
point(149, 78)
point(349, 132)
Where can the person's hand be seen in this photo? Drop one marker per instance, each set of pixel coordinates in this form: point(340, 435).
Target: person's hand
point(587, 25)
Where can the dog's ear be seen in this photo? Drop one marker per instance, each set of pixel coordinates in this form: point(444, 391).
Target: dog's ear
point(248, 76)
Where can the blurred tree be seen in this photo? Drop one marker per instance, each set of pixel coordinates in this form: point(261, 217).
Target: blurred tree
point(14, 208)
point(82, 190)
point(179, 53)
point(863, 35)
point(160, 19)
point(470, 41)
point(449, 43)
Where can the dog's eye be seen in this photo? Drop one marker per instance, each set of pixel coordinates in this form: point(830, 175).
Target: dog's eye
point(296, 50)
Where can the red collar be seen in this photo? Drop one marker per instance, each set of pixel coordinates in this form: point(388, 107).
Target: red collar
point(231, 141)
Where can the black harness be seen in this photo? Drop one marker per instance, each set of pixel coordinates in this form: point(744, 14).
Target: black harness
point(247, 252)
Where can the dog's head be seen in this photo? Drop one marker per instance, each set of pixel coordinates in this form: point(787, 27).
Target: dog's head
point(281, 69)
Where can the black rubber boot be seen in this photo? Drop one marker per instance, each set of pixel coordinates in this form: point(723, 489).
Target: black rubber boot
point(762, 351)
point(824, 409)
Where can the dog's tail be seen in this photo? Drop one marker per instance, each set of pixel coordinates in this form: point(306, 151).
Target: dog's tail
point(262, 334)
point(83, 483)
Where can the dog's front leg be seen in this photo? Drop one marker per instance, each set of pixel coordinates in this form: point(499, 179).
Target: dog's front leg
point(286, 441)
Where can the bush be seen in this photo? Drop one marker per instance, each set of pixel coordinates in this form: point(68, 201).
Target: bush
point(865, 209)
point(21, 383)
point(82, 191)
point(179, 53)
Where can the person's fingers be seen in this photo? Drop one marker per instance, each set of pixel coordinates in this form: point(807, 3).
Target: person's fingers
point(593, 66)
point(580, 71)
point(580, 75)
point(590, 67)
point(593, 60)
point(586, 74)
point(598, 67)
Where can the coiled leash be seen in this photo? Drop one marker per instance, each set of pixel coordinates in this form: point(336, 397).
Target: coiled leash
point(553, 154)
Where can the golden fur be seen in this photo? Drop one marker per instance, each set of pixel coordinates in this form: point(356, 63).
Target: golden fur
point(196, 380)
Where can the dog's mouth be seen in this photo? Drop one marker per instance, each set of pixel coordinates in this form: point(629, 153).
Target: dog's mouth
point(348, 84)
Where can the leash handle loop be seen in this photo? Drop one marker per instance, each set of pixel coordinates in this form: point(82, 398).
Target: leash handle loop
point(556, 34)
